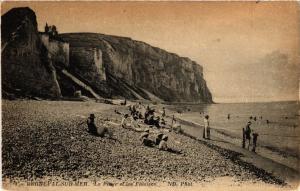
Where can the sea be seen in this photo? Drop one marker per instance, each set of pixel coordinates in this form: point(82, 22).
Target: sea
point(277, 124)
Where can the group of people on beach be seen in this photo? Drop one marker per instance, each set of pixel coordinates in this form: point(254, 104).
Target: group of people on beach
point(246, 132)
point(141, 119)
point(247, 136)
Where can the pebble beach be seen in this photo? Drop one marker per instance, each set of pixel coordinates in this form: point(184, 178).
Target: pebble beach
point(48, 139)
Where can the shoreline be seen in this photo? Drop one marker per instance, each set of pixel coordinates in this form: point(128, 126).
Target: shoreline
point(176, 140)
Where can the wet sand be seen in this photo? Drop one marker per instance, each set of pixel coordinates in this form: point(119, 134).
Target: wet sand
point(48, 139)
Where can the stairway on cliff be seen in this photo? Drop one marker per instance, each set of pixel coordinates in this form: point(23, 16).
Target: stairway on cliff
point(80, 83)
point(122, 88)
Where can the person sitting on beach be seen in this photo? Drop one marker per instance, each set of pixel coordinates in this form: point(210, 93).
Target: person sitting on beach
point(164, 146)
point(248, 133)
point(135, 116)
point(152, 120)
point(130, 122)
point(159, 138)
point(91, 124)
point(124, 122)
point(132, 109)
point(148, 114)
point(176, 127)
point(163, 143)
point(162, 121)
point(147, 108)
point(145, 139)
point(93, 129)
point(157, 121)
point(255, 135)
point(118, 112)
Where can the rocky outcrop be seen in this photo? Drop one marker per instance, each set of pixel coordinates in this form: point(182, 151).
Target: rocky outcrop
point(132, 66)
point(25, 65)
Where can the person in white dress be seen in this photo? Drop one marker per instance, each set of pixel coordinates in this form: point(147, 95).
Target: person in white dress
point(206, 130)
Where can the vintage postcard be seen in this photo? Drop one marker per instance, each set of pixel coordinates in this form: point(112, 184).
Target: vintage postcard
point(158, 95)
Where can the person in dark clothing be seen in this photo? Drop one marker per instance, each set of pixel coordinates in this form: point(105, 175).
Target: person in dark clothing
point(255, 135)
point(159, 138)
point(164, 112)
point(93, 129)
point(91, 124)
point(228, 116)
point(148, 114)
point(145, 139)
point(248, 133)
point(244, 138)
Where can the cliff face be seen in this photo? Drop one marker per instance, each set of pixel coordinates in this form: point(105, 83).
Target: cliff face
point(25, 64)
point(89, 67)
point(97, 64)
point(131, 67)
point(58, 52)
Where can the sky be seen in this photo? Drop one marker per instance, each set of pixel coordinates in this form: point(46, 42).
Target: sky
point(250, 51)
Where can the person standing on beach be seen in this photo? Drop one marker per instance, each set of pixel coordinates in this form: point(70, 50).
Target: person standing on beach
point(164, 112)
point(248, 133)
point(255, 135)
point(244, 138)
point(206, 129)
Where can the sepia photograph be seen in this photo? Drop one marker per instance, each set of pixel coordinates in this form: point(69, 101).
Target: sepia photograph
point(150, 95)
